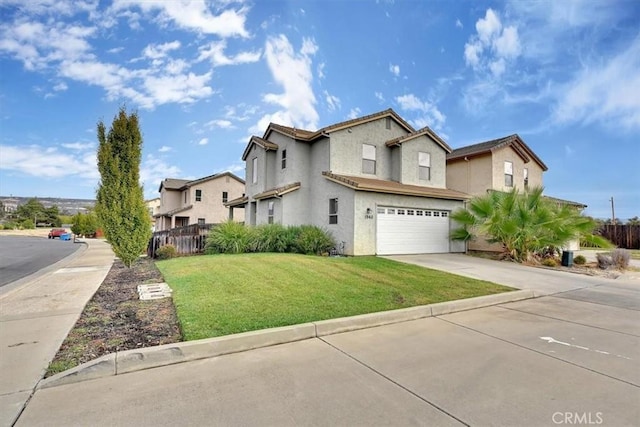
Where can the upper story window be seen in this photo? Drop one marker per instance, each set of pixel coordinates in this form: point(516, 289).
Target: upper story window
point(185, 197)
point(254, 170)
point(424, 166)
point(198, 195)
point(284, 159)
point(369, 159)
point(225, 197)
point(270, 212)
point(525, 173)
point(333, 211)
point(508, 174)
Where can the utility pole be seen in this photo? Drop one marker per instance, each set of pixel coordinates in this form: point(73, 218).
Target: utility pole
point(613, 212)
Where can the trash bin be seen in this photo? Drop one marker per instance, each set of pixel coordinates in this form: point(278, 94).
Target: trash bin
point(567, 258)
point(65, 236)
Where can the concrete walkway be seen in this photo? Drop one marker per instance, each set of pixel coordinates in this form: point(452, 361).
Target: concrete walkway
point(541, 280)
point(37, 315)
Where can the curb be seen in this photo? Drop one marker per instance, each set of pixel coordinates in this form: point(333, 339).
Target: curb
point(153, 357)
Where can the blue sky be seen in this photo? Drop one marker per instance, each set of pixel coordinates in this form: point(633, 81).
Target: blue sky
point(205, 75)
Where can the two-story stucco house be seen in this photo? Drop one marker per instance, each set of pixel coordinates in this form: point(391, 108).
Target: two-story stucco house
point(201, 201)
point(500, 164)
point(377, 184)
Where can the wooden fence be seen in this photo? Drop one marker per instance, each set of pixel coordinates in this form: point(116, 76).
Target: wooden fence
point(187, 240)
point(622, 235)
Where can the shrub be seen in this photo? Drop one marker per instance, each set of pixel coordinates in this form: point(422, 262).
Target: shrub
point(579, 260)
point(270, 238)
point(166, 252)
point(10, 225)
point(27, 224)
point(620, 258)
point(604, 261)
point(549, 262)
point(229, 237)
point(314, 240)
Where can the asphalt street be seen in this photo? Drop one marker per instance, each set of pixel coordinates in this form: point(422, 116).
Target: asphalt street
point(570, 358)
point(21, 256)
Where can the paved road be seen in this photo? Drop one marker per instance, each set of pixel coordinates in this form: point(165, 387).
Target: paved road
point(564, 359)
point(22, 256)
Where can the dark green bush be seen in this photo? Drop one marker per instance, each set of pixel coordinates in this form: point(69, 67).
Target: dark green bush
point(229, 238)
point(270, 238)
point(314, 240)
point(166, 252)
point(579, 260)
point(27, 224)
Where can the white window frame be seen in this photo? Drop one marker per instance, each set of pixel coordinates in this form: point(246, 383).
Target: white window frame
point(508, 174)
point(198, 195)
point(424, 166)
point(369, 159)
point(270, 212)
point(225, 196)
point(254, 170)
point(283, 163)
point(525, 174)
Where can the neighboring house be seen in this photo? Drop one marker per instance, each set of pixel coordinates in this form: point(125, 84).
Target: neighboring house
point(201, 201)
point(153, 206)
point(377, 184)
point(500, 164)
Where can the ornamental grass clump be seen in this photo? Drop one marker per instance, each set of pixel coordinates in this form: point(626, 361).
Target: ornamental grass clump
point(229, 238)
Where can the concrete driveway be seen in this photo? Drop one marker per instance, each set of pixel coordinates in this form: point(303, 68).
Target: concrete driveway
point(564, 359)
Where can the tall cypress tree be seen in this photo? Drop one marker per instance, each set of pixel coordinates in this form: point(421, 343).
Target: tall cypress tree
point(120, 206)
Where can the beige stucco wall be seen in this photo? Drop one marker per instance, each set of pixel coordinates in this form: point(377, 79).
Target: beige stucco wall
point(508, 154)
point(409, 163)
point(211, 207)
point(346, 148)
point(473, 177)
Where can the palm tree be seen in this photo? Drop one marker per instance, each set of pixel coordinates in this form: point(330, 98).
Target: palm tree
point(525, 224)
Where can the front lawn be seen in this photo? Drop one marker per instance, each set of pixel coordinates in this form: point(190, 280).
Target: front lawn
point(224, 294)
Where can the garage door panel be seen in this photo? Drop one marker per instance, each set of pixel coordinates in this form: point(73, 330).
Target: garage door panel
point(407, 234)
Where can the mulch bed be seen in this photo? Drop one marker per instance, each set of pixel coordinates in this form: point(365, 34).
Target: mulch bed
point(116, 320)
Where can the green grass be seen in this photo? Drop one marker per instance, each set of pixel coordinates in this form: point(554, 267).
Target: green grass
point(218, 295)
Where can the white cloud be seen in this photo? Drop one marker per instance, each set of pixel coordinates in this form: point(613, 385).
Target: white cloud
point(152, 171)
point(60, 87)
point(203, 141)
point(430, 114)
point(394, 69)
point(79, 146)
point(354, 113)
point(333, 102)
point(605, 93)
point(164, 149)
point(292, 71)
point(49, 162)
point(320, 71)
point(458, 24)
point(379, 96)
point(158, 51)
point(214, 52)
point(192, 15)
point(493, 46)
point(219, 124)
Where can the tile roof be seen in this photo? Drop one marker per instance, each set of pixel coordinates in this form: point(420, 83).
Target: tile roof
point(514, 141)
point(276, 192)
point(183, 184)
point(424, 131)
point(173, 212)
point(260, 142)
point(240, 201)
point(306, 135)
point(565, 202)
point(392, 187)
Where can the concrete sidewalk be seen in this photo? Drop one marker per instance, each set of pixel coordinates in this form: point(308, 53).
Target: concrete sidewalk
point(37, 315)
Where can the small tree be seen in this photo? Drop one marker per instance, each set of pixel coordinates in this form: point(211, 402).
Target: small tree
point(84, 224)
point(524, 224)
point(120, 206)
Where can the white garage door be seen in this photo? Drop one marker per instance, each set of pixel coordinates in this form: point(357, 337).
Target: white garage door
point(412, 231)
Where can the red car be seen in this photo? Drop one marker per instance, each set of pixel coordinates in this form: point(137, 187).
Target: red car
point(57, 232)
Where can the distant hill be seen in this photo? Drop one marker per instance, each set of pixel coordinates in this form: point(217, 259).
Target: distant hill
point(65, 206)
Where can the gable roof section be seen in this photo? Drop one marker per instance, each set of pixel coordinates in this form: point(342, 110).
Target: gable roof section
point(277, 192)
point(424, 131)
point(514, 141)
point(391, 187)
point(306, 135)
point(183, 184)
point(238, 202)
point(260, 142)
